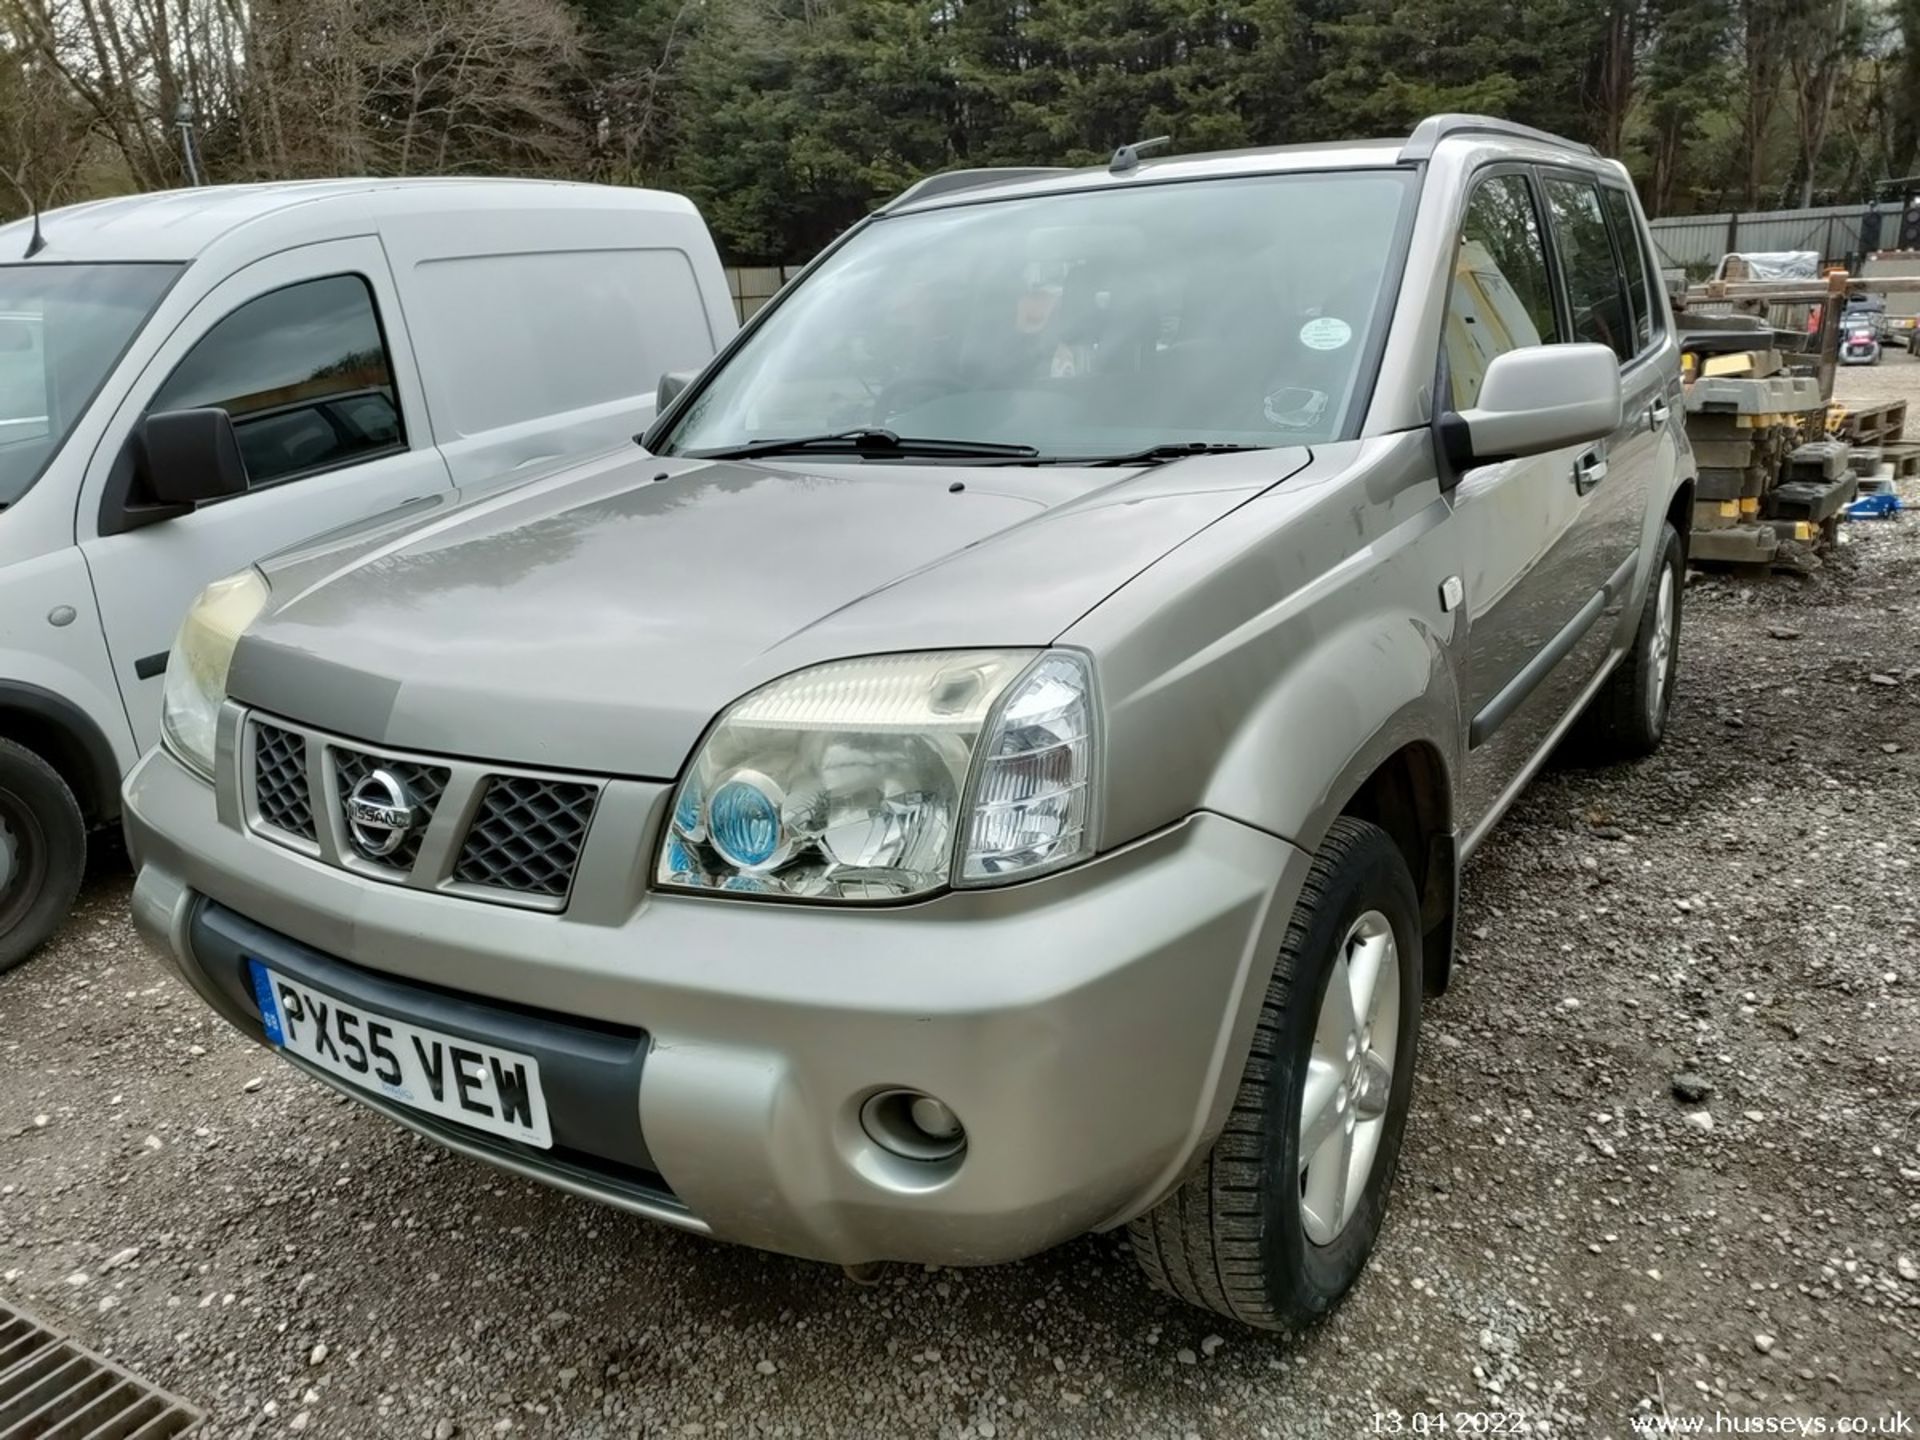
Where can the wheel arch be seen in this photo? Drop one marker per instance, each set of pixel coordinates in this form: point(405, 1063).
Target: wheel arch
point(1680, 514)
point(66, 737)
point(1378, 741)
point(1409, 795)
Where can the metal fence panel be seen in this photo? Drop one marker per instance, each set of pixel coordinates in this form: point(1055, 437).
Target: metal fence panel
point(751, 286)
point(1695, 243)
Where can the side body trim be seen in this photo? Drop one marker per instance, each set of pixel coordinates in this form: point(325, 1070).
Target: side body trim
point(1501, 707)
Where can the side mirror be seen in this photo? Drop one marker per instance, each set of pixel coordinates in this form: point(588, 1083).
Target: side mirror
point(1544, 397)
point(16, 336)
point(669, 388)
point(186, 456)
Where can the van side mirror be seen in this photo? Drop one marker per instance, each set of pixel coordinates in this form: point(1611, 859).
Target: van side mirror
point(1541, 398)
point(186, 456)
point(669, 388)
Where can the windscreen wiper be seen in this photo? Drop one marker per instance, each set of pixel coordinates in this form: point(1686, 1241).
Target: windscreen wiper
point(867, 444)
point(1156, 454)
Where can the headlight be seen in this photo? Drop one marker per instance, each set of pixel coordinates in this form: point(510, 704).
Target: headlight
point(889, 777)
point(197, 668)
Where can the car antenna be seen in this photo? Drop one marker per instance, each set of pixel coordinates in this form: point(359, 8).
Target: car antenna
point(35, 242)
point(1127, 157)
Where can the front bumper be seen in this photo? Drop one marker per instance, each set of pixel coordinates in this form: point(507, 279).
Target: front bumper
point(1088, 1028)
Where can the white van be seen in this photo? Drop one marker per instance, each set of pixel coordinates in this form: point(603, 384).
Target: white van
point(321, 351)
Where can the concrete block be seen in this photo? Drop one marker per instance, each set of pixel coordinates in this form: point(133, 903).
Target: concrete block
point(1725, 454)
point(1727, 484)
point(1779, 394)
point(1735, 545)
point(1818, 460)
point(1812, 500)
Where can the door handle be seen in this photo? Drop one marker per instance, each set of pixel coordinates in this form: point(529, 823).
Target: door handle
point(1589, 470)
point(1658, 413)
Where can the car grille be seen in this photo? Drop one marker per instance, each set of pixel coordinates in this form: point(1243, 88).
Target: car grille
point(505, 835)
point(527, 834)
point(425, 784)
point(280, 779)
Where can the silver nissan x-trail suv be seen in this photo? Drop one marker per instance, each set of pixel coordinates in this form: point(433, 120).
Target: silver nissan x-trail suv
point(995, 761)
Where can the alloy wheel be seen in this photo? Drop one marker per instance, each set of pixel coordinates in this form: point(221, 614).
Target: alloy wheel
point(1660, 649)
point(1343, 1104)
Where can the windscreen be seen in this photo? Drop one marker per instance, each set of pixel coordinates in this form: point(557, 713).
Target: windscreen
point(1087, 324)
point(62, 327)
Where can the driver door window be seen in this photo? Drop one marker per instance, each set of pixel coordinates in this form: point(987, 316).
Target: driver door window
point(1501, 298)
point(304, 373)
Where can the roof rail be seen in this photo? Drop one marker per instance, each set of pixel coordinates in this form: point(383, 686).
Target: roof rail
point(1127, 157)
point(946, 182)
point(1428, 134)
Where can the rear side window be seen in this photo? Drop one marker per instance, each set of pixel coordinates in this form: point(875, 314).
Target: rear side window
point(304, 374)
point(1596, 289)
point(510, 339)
point(1626, 234)
point(1501, 298)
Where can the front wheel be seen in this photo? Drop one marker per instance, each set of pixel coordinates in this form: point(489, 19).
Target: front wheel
point(1278, 1221)
point(43, 851)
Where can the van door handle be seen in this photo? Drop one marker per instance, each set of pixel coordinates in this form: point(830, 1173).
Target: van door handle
point(1658, 414)
point(1589, 470)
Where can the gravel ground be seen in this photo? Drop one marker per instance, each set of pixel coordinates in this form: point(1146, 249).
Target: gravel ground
point(1570, 1242)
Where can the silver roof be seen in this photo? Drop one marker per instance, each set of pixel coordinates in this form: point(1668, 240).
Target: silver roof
point(182, 224)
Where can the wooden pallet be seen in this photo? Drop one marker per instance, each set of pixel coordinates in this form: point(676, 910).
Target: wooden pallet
point(1904, 457)
point(1880, 424)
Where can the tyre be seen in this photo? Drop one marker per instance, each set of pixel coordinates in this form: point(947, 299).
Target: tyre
point(1628, 718)
point(1278, 1221)
point(43, 851)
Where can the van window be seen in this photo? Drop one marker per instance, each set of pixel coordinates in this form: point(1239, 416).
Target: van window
point(506, 339)
point(1626, 233)
point(62, 330)
point(1501, 298)
point(304, 374)
point(1596, 289)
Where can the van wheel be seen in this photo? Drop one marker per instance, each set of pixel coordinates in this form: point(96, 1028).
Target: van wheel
point(1628, 718)
point(1279, 1219)
point(43, 851)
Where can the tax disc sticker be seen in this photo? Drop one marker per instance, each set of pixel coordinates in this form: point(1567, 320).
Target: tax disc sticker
point(1326, 333)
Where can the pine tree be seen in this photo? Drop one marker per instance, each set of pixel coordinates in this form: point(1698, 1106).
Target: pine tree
point(1685, 78)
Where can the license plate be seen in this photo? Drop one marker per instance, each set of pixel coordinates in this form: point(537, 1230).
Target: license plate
point(480, 1086)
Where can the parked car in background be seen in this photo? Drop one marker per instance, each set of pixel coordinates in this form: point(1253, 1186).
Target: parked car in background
point(1902, 310)
point(1860, 337)
point(1870, 308)
point(997, 763)
point(352, 346)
